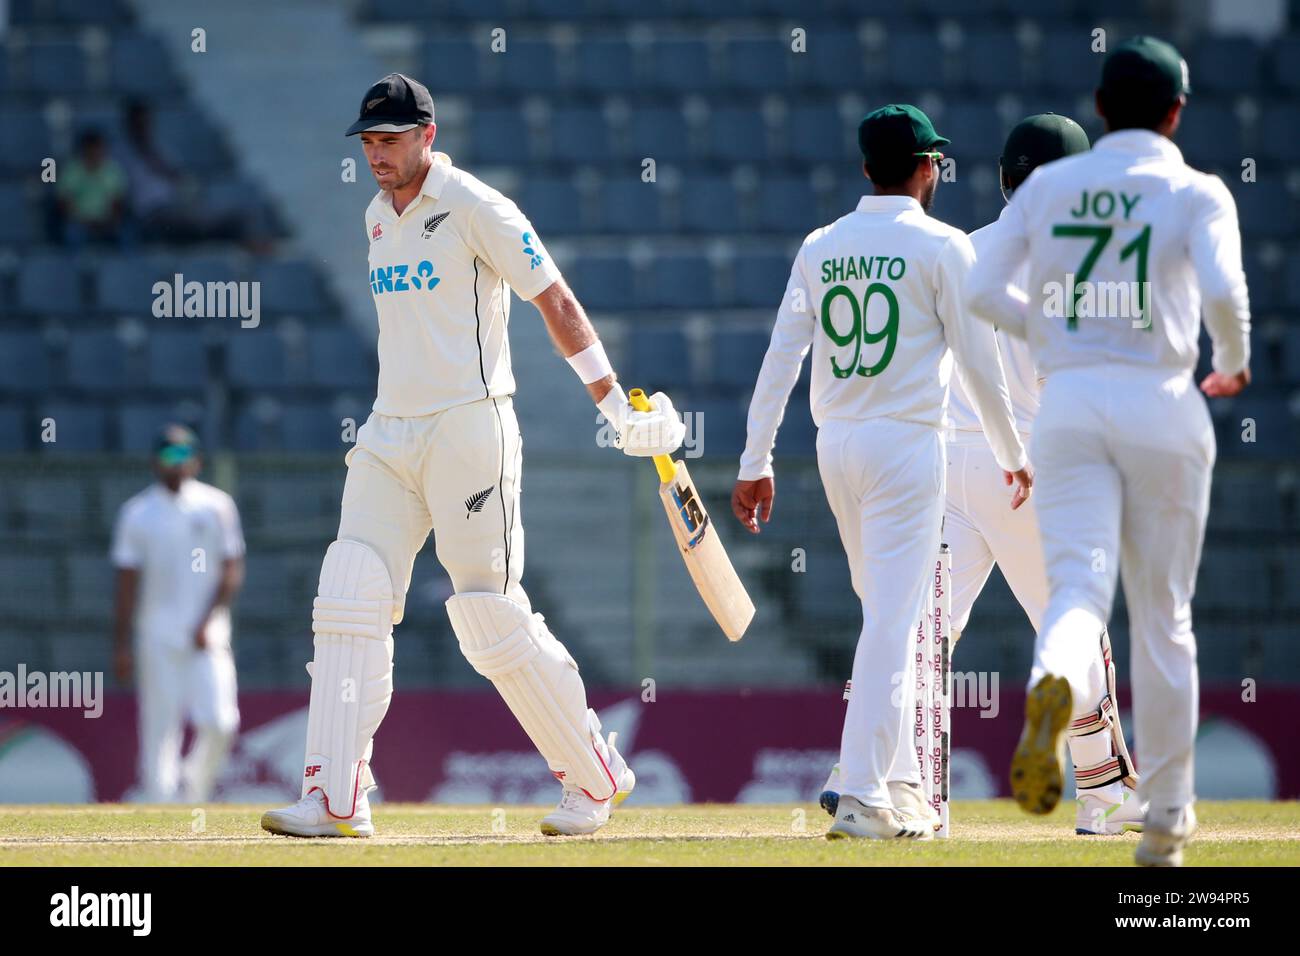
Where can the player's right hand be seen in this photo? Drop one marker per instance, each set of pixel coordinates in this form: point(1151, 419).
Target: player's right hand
point(751, 500)
point(1225, 386)
point(1024, 479)
point(645, 434)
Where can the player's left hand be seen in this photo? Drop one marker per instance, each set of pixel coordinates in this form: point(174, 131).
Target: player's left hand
point(751, 500)
point(201, 637)
point(1024, 479)
point(1225, 386)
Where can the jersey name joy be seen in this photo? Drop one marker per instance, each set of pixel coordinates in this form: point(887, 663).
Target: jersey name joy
point(1102, 204)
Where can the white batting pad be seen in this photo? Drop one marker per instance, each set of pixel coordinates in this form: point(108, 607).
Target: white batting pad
point(539, 682)
point(352, 674)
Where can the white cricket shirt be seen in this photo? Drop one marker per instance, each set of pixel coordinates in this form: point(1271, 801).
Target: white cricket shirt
point(178, 543)
point(877, 297)
point(1128, 212)
point(1022, 379)
point(441, 275)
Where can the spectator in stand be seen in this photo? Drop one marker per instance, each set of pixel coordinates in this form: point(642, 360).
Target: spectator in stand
point(92, 194)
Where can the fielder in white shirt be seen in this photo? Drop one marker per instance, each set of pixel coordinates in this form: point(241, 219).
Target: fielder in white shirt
point(179, 554)
point(877, 298)
point(1123, 439)
point(442, 452)
point(982, 531)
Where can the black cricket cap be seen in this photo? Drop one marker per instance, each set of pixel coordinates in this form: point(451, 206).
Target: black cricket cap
point(393, 105)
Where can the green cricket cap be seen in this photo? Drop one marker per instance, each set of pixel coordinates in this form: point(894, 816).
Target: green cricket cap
point(176, 445)
point(891, 134)
point(1039, 139)
point(1145, 69)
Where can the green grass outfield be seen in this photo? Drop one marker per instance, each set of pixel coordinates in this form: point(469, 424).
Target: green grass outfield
point(988, 833)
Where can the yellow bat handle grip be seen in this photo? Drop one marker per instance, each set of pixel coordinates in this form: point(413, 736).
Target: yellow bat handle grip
point(663, 463)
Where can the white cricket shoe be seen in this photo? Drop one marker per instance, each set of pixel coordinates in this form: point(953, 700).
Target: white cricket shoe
point(1165, 834)
point(578, 814)
point(853, 820)
point(1097, 816)
point(909, 800)
point(309, 818)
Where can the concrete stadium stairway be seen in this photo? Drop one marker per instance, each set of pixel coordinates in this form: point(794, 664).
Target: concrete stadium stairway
point(283, 81)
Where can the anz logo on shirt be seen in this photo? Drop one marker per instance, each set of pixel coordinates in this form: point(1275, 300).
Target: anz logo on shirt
point(533, 249)
point(402, 278)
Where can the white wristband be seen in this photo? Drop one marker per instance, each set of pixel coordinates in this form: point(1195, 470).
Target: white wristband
point(591, 363)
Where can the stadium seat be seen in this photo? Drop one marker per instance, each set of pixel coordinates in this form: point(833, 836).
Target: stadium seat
point(1233, 578)
point(77, 428)
point(124, 285)
point(1278, 115)
point(659, 355)
point(259, 359)
point(30, 583)
point(788, 205)
point(49, 283)
point(578, 134)
point(90, 585)
point(976, 131)
point(499, 135)
point(718, 425)
point(737, 135)
point(709, 204)
point(681, 282)
point(138, 63)
point(631, 206)
point(177, 360)
point(340, 359)
point(452, 66)
point(758, 63)
point(19, 222)
point(56, 67)
point(607, 65)
point(816, 133)
point(1285, 61)
point(185, 132)
point(138, 424)
point(603, 281)
point(1209, 134)
point(99, 362)
point(760, 280)
point(835, 59)
point(736, 356)
point(659, 132)
point(311, 426)
point(916, 56)
point(994, 62)
point(24, 363)
point(291, 286)
point(527, 67)
point(13, 428)
point(1225, 65)
point(552, 203)
point(1263, 213)
point(26, 138)
point(681, 64)
point(1066, 61)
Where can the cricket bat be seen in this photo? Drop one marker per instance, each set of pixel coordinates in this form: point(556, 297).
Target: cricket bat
point(697, 539)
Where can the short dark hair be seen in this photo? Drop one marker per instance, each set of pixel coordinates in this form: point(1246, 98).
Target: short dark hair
point(1129, 112)
point(892, 174)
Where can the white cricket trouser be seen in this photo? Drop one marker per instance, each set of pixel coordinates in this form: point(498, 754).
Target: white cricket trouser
point(176, 684)
point(456, 474)
point(982, 530)
point(1123, 457)
point(884, 481)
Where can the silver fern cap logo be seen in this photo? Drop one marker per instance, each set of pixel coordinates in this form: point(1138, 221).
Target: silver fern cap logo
point(475, 502)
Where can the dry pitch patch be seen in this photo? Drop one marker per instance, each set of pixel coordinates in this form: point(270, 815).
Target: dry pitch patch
point(987, 833)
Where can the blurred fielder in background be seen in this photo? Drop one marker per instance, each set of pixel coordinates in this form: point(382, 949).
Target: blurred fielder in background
point(179, 554)
point(442, 452)
point(1123, 439)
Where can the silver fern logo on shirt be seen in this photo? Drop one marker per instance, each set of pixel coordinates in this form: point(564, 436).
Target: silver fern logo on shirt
point(432, 223)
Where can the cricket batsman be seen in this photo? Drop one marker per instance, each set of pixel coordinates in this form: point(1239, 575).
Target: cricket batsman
point(981, 531)
point(878, 297)
point(179, 554)
point(442, 452)
point(1123, 439)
